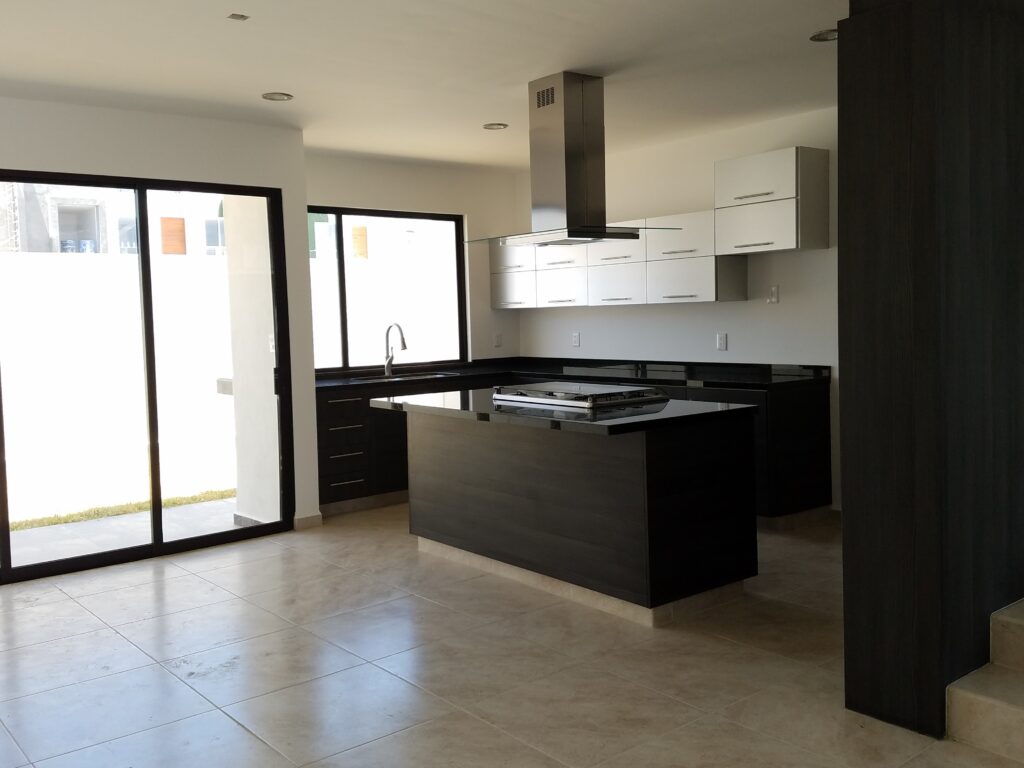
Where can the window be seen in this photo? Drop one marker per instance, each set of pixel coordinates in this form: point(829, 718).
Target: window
point(369, 269)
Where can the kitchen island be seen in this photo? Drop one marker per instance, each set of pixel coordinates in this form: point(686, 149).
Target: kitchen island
point(646, 504)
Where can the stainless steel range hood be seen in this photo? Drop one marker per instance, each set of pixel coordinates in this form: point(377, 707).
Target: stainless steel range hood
point(567, 163)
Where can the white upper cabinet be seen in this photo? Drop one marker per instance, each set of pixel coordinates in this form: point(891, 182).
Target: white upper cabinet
point(773, 201)
point(511, 258)
point(607, 252)
point(681, 280)
point(690, 235)
point(617, 284)
point(754, 228)
point(562, 287)
point(756, 178)
point(561, 256)
point(514, 290)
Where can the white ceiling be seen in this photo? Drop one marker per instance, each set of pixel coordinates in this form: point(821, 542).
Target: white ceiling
point(417, 78)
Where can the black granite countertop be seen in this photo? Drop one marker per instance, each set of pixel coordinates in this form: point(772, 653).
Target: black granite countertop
point(478, 405)
point(740, 375)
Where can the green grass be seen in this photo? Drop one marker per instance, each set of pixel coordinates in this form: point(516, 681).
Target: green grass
point(98, 513)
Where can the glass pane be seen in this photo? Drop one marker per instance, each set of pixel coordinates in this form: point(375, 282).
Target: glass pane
point(72, 371)
point(213, 317)
point(323, 283)
point(404, 271)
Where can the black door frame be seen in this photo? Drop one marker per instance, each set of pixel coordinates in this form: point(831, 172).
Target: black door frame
point(283, 383)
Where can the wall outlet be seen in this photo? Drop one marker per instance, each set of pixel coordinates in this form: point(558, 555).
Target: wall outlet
point(575, 341)
point(773, 295)
point(497, 339)
point(722, 342)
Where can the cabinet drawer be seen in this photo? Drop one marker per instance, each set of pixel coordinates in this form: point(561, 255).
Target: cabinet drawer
point(691, 234)
point(354, 461)
point(511, 258)
point(515, 290)
point(681, 280)
point(331, 436)
point(756, 178)
point(561, 256)
point(756, 228)
point(618, 284)
point(341, 487)
point(340, 407)
point(609, 252)
point(562, 287)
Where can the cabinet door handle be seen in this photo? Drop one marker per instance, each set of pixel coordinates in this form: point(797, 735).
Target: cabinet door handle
point(754, 194)
point(347, 482)
point(561, 301)
point(680, 250)
point(618, 298)
point(680, 296)
point(563, 261)
point(615, 258)
point(510, 303)
point(345, 455)
point(346, 400)
point(513, 266)
point(350, 426)
point(754, 245)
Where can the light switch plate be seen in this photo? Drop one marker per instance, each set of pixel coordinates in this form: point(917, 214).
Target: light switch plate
point(722, 342)
point(575, 338)
point(497, 339)
point(773, 295)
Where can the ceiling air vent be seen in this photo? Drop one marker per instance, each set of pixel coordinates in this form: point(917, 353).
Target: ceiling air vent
point(546, 97)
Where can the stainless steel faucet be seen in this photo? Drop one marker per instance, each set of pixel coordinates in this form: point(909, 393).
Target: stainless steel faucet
point(389, 351)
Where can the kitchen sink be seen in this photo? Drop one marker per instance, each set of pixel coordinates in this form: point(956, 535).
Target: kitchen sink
point(402, 377)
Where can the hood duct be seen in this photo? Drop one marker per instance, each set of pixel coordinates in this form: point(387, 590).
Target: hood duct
point(567, 163)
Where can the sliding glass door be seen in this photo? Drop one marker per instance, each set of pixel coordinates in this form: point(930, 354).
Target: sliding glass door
point(143, 383)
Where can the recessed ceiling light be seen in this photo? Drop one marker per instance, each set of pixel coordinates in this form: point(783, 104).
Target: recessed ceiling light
point(238, 17)
point(495, 126)
point(277, 96)
point(825, 36)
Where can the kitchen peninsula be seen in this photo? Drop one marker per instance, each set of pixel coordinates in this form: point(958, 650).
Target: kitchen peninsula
point(647, 503)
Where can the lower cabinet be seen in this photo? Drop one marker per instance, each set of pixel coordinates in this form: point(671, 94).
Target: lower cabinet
point(562, 287)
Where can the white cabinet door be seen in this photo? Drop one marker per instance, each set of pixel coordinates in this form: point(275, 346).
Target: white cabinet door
point(511, 258)
point(617, 284)
point(756, 178)
point(562, 287)
point(561, 256)
point(756, 228)
point(691, 234)
point(608, 252)
point(515, 290)
point(681, 280)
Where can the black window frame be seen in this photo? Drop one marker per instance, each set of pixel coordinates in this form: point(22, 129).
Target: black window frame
point(158, 546)
point(460, 277)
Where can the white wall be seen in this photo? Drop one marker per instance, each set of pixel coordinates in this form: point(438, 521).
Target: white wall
point(678, 177)
point(485, 196)
point(45, 136)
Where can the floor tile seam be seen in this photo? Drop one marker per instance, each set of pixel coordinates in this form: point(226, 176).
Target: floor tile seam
point(62, 637)
point(216, 567)
point(186, 575)
point(260, 591)
point(330, 616)
point(14, 741)
point(162, 615)
point(148, 663)
point(674, 696)
point(758, 648)
point(126, 586)
point(222, 645)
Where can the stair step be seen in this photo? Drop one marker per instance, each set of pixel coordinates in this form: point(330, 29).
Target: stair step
point(1008, 636)
point(986, 710)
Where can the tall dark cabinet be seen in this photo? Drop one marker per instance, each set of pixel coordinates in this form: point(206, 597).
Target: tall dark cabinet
point(931, 343)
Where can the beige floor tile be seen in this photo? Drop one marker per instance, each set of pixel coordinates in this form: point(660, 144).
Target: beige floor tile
point(453, 741)
point(320, 718)
point(714, 742)
point(261, 665)
point(582, 715)
point(475, 665)
point(489, 596)
point(369, 548)
point(414, 570)
point(199, 629)
point(306, 602)
point(211, 739)
point(392, 627)
point(772, 625)
point(118, 576)
point(949, 754)
point(44, 622)
point(705, 671)
point(576, 630)
point(10, 755)
point(200, 560)
point(817, 721)
point(825, 596)
point(81, 715)
point(158, 598)
point(254, 576)
point(29, 593)
point(41, 667)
